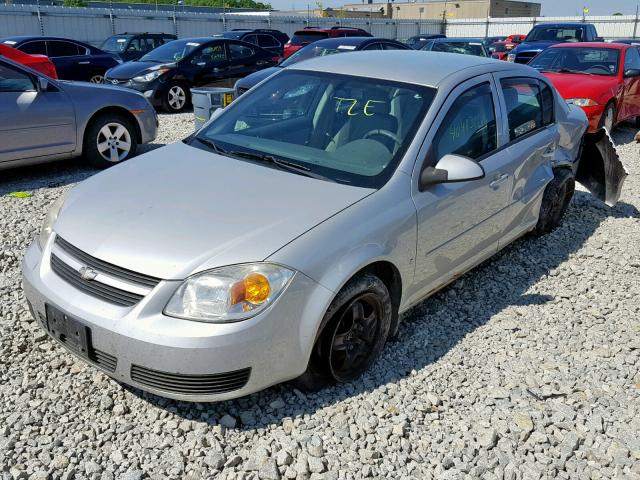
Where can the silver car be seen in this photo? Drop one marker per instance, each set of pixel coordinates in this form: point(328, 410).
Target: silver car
point(44, 119)
point(283, 239)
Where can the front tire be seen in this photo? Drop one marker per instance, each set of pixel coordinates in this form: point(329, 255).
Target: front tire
point(356, 327)
point(555, 200)
point(110, 139)
point(176, 98)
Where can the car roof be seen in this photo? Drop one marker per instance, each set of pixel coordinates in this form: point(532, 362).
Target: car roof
point(22, 38)
point(410, 66)
point(328, 29)
point(351, 41)
point(613, 46)
point(201, 39)
point(562, 24)
point(456, 40)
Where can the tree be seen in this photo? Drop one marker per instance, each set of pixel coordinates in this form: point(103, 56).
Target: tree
point(74, 3)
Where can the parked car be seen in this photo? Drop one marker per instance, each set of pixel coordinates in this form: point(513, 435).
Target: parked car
point(320, 48)
point(544, 35)
point(309, 35)
point(44, 119)
point(418, 41)
point(286, 236)
point(131, 46)
point(73, 60)
point(601, 78)
point(515, 38)
point(166, 75)
point(464, 46)
point(500, 50)
point(38, 62)
point(272, 40)
point(488, 41)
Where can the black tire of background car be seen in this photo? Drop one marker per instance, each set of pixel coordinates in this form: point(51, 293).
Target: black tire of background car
point(165, 98)
point(321, 370)
point(610, 106)
point(555, 200)
point(90, 144)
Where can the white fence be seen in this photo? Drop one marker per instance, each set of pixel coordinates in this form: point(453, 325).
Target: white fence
point(95, 24)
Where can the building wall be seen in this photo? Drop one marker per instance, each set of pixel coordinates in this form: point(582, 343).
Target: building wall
point(455, 9)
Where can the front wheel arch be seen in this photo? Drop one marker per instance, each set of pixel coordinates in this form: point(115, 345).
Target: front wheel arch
point(114, 110)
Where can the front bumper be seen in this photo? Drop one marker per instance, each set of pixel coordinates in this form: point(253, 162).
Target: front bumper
point(151, 90)
point(594, 114)
point(165, 355)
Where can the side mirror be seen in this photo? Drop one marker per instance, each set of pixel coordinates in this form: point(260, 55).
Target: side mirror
point(449, 169)
point(599, 39)
point(43, 84)
point(632, 72)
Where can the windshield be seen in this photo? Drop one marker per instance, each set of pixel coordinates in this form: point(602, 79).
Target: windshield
point(349, 129)
point(115, 44)
point(595, 61)
point(465, 48)
point(305, 37)
point(171, 52)
point(311, 51)
point(555, 34)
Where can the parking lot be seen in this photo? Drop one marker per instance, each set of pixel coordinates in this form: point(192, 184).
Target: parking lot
point(525, 368)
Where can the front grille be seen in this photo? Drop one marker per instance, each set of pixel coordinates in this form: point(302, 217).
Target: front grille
point(191, 384)
point(525, 57)
point(112, 270)
point(97, 289)
point(115, 81)
point(68, 261)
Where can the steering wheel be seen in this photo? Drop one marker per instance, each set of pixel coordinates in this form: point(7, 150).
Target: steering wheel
point(599, 67)
point(385, 133)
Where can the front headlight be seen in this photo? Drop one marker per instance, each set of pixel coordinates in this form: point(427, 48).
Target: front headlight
point(49, 220)
point(229, 294)
point(151, 76)
point(511, 57)
point(582, 102)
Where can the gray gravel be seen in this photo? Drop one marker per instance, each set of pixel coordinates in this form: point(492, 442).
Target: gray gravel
point(526, 368)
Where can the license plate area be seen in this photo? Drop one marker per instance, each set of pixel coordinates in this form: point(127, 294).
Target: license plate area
point(68, 331)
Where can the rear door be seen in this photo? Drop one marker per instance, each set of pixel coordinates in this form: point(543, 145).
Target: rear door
point(243, 60)
point(33, 123)
point(72, 61)
point(531, 138)
point(209, 65)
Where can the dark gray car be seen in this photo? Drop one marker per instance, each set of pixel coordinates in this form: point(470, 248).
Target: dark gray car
point(44, 119)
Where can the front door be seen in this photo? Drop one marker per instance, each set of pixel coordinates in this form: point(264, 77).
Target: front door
point(457, 222)
point(41, 123)
point(631, 97)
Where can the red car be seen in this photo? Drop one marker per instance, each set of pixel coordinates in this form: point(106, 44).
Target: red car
point(41, 63)
point(515, 38)
point(602, 78)
point(500, 50)
point(309, 35)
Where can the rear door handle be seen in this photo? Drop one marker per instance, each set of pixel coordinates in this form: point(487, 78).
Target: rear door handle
point(498, 181)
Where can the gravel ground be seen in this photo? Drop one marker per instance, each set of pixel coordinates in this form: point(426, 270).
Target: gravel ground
point(526, 368)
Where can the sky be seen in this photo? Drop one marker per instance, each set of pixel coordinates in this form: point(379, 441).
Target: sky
point(549, 7)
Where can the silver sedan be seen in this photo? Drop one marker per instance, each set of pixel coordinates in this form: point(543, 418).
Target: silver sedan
point(283, 239)
point(44, 119)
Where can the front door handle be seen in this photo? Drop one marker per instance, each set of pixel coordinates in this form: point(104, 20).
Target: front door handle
point(84, 63)
point(498, 181)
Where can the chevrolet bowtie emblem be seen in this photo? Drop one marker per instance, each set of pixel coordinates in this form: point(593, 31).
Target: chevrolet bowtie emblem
point(87, 274)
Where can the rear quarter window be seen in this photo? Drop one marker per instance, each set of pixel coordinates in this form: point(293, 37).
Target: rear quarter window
point(302, 38)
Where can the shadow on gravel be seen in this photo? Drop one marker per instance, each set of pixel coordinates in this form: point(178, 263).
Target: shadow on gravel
point(53, 174)
point(448, 316)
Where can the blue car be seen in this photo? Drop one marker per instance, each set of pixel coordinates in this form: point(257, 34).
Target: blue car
point(73, 60)
point(545, 35)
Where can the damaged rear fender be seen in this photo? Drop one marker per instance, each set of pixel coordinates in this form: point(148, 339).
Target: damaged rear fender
point(599, 168)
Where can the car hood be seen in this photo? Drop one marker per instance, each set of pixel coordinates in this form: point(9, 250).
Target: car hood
point(256, 77)
point(572, 85)
point(179, 210)
point(132, 69)
point(537, 46)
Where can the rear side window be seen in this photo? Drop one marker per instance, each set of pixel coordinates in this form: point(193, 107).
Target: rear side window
point(251, 39)
point(459, 47)
point(64, 49)
point(469, 128)
point(34, 48)
point(12, 80)
point(303, 38)
point(267, 41)
point(238, 51)
point(529, 107)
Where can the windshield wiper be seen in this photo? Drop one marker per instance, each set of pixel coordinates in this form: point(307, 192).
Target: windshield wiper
point(568, 70)
point(212, 145)
point(282, 164)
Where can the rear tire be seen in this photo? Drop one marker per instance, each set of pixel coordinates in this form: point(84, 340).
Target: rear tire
point(356, 327)
point(109, 139)
point(555, 200)
point(176, 98)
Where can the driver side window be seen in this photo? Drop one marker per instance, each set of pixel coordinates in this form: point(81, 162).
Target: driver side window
point(469, 128)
